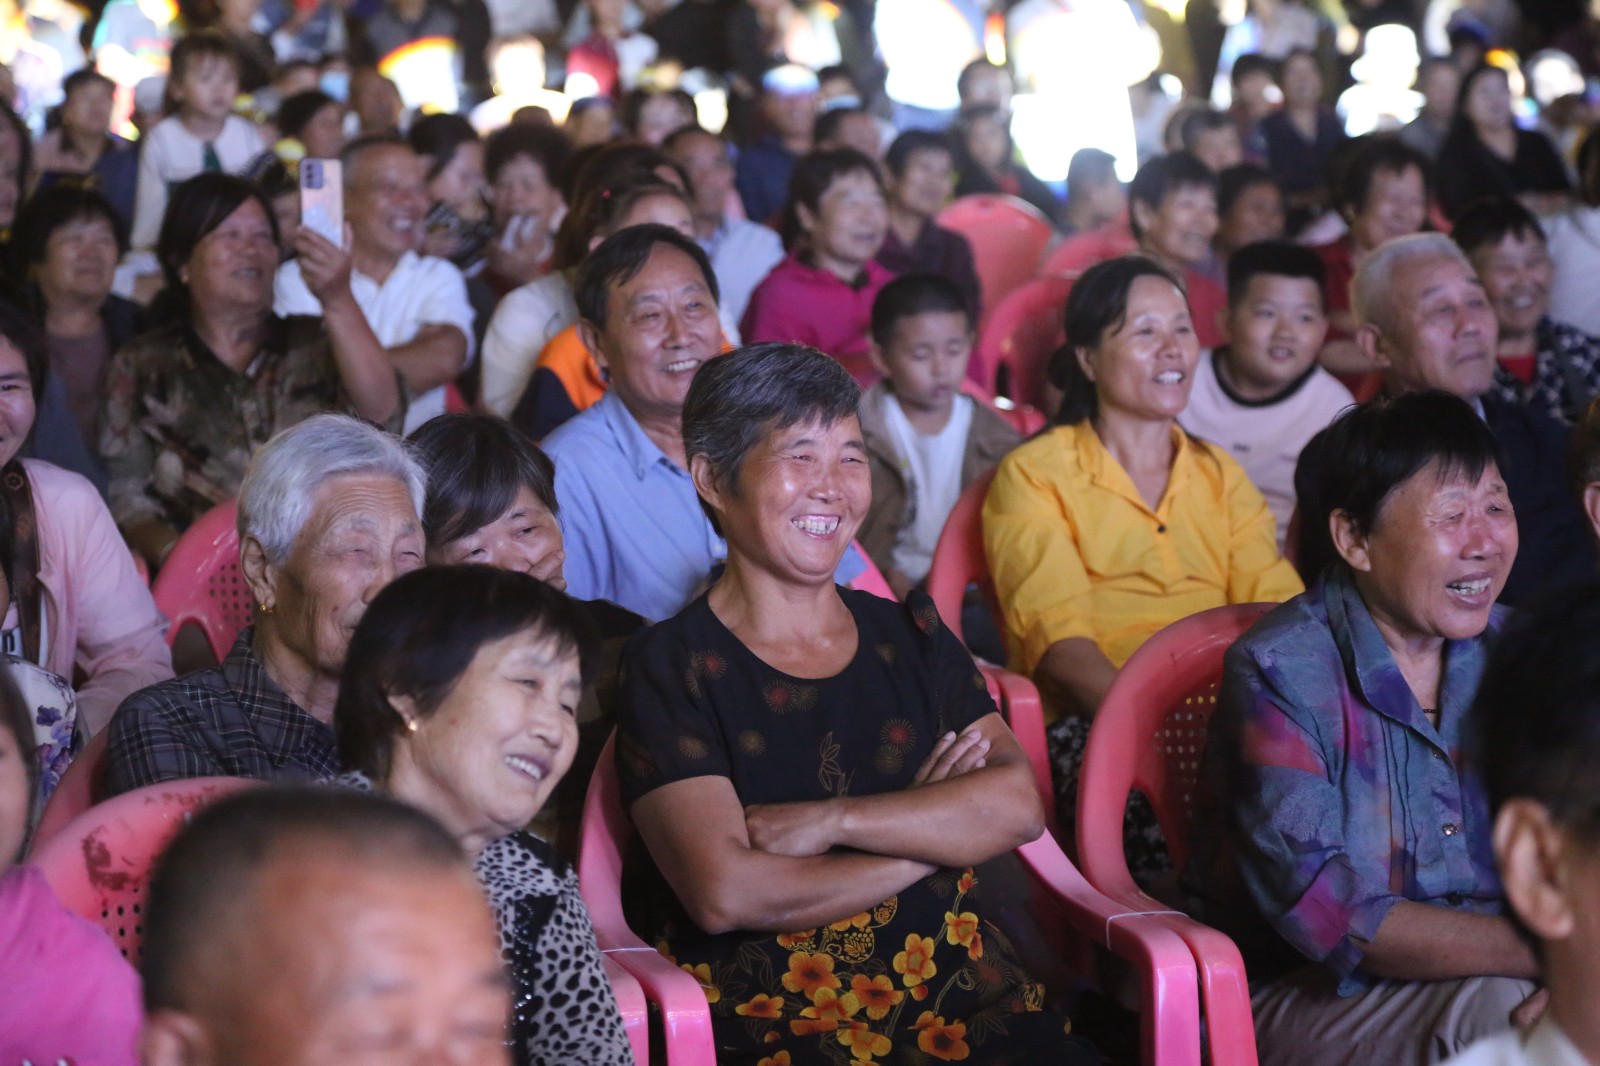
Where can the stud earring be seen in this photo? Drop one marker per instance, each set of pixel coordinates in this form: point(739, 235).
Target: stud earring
point(265, 608)
point(411, 725)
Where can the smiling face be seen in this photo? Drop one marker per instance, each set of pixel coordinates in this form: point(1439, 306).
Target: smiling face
point(1516, 274)
point(16, 401)
point(232, 268)
point(521, 539)
point(1179, 232)
point(522, 189)
point(487, 758)
point(927, 184)
point(1274, 334)
point(1437, 555)
point(1144, 369)
point(1443, 333)
point(1396, 206)
point(385, 201)
point(80, 261)
point(849, 224)
point(661, 327)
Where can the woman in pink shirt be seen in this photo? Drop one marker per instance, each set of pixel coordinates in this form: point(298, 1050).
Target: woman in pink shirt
point(822, 293)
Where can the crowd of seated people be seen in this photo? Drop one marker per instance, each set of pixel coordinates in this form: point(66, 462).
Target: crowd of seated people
point(634, 405)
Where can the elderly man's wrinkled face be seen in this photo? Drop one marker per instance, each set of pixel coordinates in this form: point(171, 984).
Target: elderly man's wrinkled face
point(386, 199)
point(362, 534)
point(1516, 273)
point(1441, 332)
point(346, 963)
point(1437, 555)
point(661, 328)
point(705, 157)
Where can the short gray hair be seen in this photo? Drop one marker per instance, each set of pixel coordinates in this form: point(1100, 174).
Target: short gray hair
point(275, 499)
point(1375, 277)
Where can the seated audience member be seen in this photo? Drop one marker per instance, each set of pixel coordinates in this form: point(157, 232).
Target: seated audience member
point(200, 133)
point(1543, 363)
point(376, 103)
point(1254, 81)
point(522, 163)
point(920, 178)
point(1211, 137)
point(986, 162)
point(327, 517)
point(70, 995)
point(1302, 137)
point(789, 107)
point(984, 84)
point(67, 244)
point(83, 146)
point(613, 54)
point(1439, 82)
point(1095, 196)
point(1487, 154)
point(1172, 205)
point(848, 127)
point(821, 294)
point(649, 116)
point(566, 378)
point(416, 305)
point(742, 252)
point(460, 697)
point(591, 122)
point(75, 604)
point(1249, 209)
point(764, 849)
point(457, 225)
point(1262, 396)
point(1574, 236)
point(1586, 464)
point(925, 440)
point(187, 402)
point(315, 121)
point(1535, 730)
point(1382, 193)
point(1424, 319)
point(314, 925)
point(1373, 924)
point(634, 531)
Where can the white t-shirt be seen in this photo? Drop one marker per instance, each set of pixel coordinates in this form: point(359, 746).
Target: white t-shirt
point(523, 323)
point(419, 291)
point(1574, 238)
point(1266, 437)
point(171, 154)
point(1544, 1045)
point(931, 466)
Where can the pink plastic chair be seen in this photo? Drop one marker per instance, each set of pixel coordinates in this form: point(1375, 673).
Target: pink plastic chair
point(1081, 251)
point(871, 579)
point(685, 1015)
point(1023, 418)
point(1020, 335)
point(1008, 238)
point(200, 583)
point(1149, 735)
point(81, 787)
point(100, 862)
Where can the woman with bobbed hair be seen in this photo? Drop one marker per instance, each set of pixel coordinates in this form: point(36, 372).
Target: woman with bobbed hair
point(1355, 864)
point(1135, 523)
point(327, 517)
point(460, 696)
point(187, 402)
point(817, 772)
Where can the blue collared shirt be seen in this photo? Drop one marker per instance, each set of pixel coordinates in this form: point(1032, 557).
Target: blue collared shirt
point(634, 530)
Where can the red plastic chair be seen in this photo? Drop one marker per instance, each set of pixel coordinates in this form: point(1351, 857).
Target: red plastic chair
point(1081, 251)
point(1008, 238)
point(80, 787)
point(1018, 338)
point(100, 862)
point(685, 1015)
point(1149, 735)
point(200, 583)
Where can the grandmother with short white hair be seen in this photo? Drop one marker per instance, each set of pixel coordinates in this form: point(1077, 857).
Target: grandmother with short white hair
point(328, 515)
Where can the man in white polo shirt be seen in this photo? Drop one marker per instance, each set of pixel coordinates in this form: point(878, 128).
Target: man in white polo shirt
point(417, 305)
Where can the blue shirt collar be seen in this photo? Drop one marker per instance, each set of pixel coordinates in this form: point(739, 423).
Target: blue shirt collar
point(636, 446)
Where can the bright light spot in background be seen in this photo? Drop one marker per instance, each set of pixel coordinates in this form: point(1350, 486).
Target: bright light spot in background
point(1382, 98)
point(994, 38)
point(581, 85)
point(711, 109)
point(424, 71)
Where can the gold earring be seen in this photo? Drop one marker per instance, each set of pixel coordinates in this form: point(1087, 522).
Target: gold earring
point(265, 608)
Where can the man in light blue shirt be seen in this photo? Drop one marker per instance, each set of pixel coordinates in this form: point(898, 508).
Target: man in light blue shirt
point(634, 529)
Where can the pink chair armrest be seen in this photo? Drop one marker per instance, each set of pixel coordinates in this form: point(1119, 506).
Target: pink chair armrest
point(632, 1005)
point(1024, 710)
point(684, 1012)
point(1169, 992)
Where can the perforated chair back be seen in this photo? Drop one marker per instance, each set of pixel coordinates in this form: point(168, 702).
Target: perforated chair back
point(1018, 339)
point(200, 583)
point(1008, 237)
point(79, 789)
point(99, 863)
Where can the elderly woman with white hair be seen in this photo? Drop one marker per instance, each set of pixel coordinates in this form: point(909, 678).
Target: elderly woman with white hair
point(328, 515)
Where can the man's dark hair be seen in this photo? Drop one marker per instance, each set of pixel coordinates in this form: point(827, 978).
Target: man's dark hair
point(437, 137)
point(809, 181)
point(618, 260)
point(1283, 259)
point(908, 144)
point(1098, 302)
point(1491, 220)
point(826, 128)
point(204, 884)
point(545, 145)
point(365, 143)
point(1363, 159)
point(914, 294)
point(1162, 177)
point(1201, 120)
point(475, 464)
point(298, 110)
point(1235, 181)
point(1252, 63)
point(84, 76)
point(965, 77)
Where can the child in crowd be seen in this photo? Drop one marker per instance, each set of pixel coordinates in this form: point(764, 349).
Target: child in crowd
point(1261, 396)
point(200, 133)
point(926, 441)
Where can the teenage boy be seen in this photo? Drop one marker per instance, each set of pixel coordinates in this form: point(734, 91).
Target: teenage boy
point(926, 441)
point(1261, 395)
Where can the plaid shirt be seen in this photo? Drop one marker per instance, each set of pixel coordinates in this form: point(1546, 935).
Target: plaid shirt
point(1566, 372)
point(232, 721)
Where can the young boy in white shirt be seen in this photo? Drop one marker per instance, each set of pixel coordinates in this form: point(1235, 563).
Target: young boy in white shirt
point(1261, 395)
point(926, 440)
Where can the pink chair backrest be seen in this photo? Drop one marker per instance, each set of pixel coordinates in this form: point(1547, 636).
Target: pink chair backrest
point(1008, 238)
point(1081, 251)
point(1019, 337)
point(1150, 734)
point(99, 864)
point(871, 579)
point(959, 559)
point(1023, 418)
point(200, 583)
point(79, 789)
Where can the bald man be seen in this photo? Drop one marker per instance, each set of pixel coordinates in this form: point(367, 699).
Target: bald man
point(297, 926)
